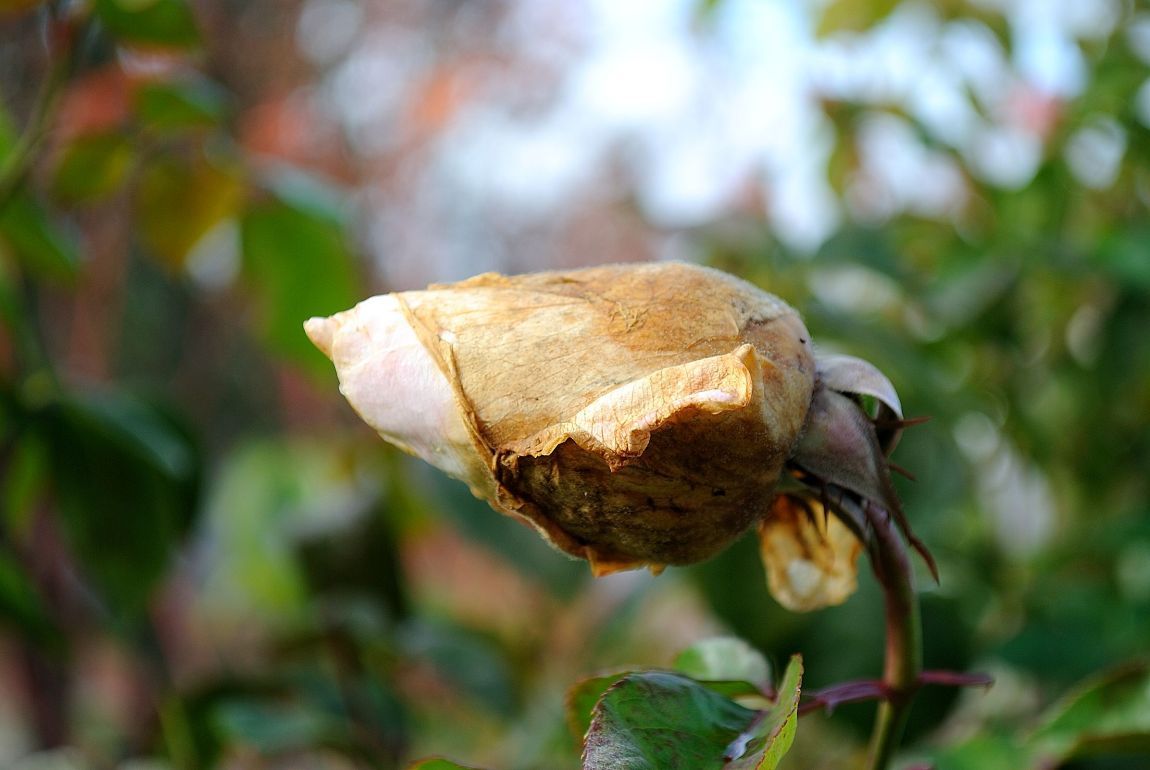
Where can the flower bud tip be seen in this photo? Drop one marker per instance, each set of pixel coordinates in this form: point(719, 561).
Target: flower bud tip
point(321, 331)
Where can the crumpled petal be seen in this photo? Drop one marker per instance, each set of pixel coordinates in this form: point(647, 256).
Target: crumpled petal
point(618, 424)
point(811, 558)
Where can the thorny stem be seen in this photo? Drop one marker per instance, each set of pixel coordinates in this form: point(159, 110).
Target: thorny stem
point(903, 664)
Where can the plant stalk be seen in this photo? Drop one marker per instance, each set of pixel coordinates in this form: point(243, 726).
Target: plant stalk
point(903, 664)
point(63, 37)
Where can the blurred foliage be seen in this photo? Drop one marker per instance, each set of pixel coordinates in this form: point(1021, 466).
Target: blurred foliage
point(205, 561)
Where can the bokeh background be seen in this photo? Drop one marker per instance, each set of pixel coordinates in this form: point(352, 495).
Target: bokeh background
point(207, 561)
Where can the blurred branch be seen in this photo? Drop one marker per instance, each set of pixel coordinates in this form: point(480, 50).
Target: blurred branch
point(63, 32)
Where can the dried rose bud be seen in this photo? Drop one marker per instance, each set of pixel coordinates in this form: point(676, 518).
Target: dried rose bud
point(635, 415)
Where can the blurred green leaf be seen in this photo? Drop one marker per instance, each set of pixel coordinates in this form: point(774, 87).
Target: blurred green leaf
point(181, 104)
point(273, 727)
point(126, 481)
point(853, 15)
point(92, 167)
point(435, 763)
point(362, 559)
point(165, 23)
point(8, 135)
point(264, 494)
point(472, 663)
point(986, 751)
point(23, 481)
point(1125, 254)
point(179, 200)
point(654, 720)
point(10, 306)
point(724, 658)
point(47, 250)
point(298, 264)
point(1107, 714)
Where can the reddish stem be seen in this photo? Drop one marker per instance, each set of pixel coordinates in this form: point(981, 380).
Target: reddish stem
point(903, 664)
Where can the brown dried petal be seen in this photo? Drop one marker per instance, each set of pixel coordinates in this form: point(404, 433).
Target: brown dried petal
point(811, 557)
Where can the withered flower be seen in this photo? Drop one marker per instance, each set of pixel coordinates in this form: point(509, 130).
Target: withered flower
point(638, 415)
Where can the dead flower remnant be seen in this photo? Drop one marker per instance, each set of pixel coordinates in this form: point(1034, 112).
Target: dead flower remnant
point(636, 415)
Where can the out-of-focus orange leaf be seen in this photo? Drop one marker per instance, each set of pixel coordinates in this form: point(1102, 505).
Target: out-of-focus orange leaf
point(96, 102)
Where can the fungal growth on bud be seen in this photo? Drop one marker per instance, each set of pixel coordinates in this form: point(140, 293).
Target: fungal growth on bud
point(638, 415)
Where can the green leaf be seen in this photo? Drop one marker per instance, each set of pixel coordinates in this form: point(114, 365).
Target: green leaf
point(581, 699)
point(180, 105)
point(165, 23)
point(724, 658)
point(435, 763)
point(10, 306)
point(1107, 714)
point(92, 167)
point(44, 249)
point(985, 751)
point(298, 264)
point(773, 733)
point(126, 480)
point(655, 720)
point(23, 481)
point(470, 662)
point(273, 727)
point(1124, 256)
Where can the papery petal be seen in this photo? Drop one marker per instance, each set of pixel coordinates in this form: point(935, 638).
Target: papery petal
point(810, 557)
point(635, 415)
